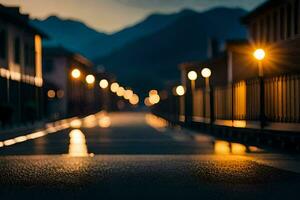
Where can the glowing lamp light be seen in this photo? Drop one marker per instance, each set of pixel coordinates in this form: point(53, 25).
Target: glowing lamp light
point(76, 73)
point(180, 91)
point(120, 91)
point(192, 75)
point(259, 54)
point(114, 87)
point(154, 99)
point(103, 83)
point(51, 94)
point(147, 102)
point(134, 100)
point(153, 92)
point(206, 72)
point(128, 94)
point(90, 79)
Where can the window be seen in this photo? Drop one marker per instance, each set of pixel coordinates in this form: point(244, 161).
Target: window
point(296, 16)
point(282, 28)
point(17, 50)
point(289, 20)
point(3, 44)
point(275, 22)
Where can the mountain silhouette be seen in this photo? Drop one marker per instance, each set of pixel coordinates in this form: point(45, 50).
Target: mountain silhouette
point(152, 61)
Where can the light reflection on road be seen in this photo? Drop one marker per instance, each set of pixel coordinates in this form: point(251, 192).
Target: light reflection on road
point(77, 146)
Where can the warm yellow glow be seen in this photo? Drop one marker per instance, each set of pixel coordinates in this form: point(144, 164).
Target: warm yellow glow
point(192, 75)
point(114, 87)
point(90, 79)
point(51, 94)
point(36, 135)
point(77, 147)
point(76, 123)
point(147, 102)
point(153, 92)
point(90, 121)
point(222, 147)
point(103, 83)
point(9, 142)
point(134, 100)
point(38, 58)
point(120, 91)
point(76, 73)
point(104, 122)
point(259, 54)
point(156, 122)
point(180, 91)
point(239, 123)
point(154, 99)
point(60, 94)
point(128, 94)
point(206, 72)
point(238, 148)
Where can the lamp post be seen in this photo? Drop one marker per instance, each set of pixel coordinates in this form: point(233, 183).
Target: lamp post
point(76, 74)
point(192, 76)
point(104, 85)
point(178, 94)
point(206, 73)
point(259, 55)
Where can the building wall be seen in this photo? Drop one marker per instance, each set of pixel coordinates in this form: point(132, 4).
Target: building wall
point(277, 30)
point(21, 79)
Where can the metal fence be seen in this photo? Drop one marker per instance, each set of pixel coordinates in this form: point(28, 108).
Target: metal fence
point(241, 101)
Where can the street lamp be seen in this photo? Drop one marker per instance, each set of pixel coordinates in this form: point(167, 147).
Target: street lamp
point(114, 87)
point(192, 76)
point(206, 73)
point(76, 73)
point(103, 83)
point(90, 79)
point(180, 91)
point(259, 55)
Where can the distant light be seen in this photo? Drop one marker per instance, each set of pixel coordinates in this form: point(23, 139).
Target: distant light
point(206, 72)
point(104, 121)
point(259, 54)
point(180, 91)
point(76, 73)
point(134, 100)
point(154, 99)
point(90, 79)
point(51, 94)
point(192, 75)
point(153, 92)
point(103, 83)
point(114, 87)
point(120, 91)
point(147, 102)
point(128, 94)
point(60, 94)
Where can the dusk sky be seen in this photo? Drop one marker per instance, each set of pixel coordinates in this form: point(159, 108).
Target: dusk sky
point(113, 15)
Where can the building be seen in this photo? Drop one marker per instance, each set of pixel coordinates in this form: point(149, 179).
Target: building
point(240, 96)
point(68, 93)
point(275, 26)
point(21, 77)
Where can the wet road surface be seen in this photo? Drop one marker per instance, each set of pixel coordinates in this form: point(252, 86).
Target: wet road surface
point(135, 155)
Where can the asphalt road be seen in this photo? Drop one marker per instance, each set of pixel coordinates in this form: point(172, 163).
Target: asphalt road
point(137, 156)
